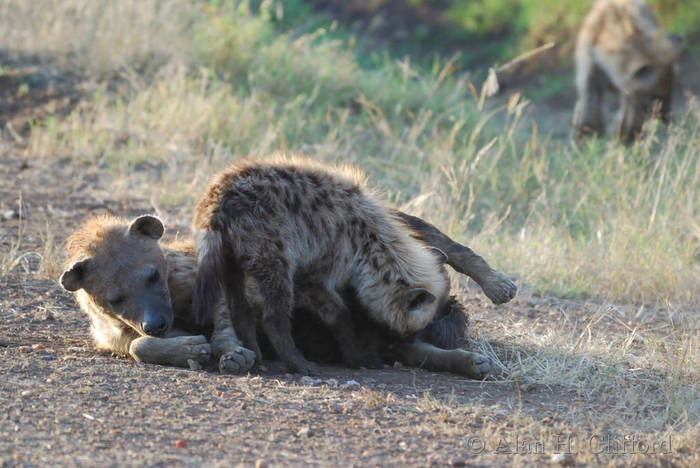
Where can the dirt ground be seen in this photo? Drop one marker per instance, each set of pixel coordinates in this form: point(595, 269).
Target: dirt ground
point(64, 404)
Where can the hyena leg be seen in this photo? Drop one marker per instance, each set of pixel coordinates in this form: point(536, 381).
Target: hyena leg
point(329, 306)
point(495, 285)
point(225, 345)
point(245, 326)
point(275, 287)
point(427, 356)
point(175, 351)
point(588, 113)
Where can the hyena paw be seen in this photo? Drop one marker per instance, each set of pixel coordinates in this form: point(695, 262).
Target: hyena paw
point(304, 367)
point(237, 361)
point(196, 348)
point(499, 288)
point(477, 366)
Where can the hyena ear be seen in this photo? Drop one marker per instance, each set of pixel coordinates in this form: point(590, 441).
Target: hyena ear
point(147, 225)
point(678, 42)
point(442, 256)
point(72, 279)
point(419, 297)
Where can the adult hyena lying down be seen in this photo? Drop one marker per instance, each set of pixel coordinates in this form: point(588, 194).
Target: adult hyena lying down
point(621, 47)
point(270, 231)
point(137, 293)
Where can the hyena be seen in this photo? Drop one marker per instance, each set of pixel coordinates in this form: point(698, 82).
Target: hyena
point(138, 295)
point(270, 231)
point(621, 47)
point(102, 254)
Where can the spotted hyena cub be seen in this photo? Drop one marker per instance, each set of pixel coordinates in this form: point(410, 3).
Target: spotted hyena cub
point(264, 228)
point(138, 295)
point(621, 47)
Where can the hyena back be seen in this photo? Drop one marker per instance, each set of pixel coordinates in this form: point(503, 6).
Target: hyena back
point(620, 46)
point(138, 294)
point(263, 227)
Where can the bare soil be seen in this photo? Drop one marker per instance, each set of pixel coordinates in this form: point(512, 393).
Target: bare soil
point(64, 404)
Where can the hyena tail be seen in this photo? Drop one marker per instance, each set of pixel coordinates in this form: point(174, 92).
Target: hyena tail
point(218, 274)
point(448, 329)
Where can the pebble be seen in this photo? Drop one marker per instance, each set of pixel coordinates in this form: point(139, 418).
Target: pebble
point(456, 461)
point(180, 443)
point(527, 388)
point(194, 365)
point(47, 357)
point(397, 365)
point(10, 214)
point(305, 432)
point(306, 380)
point(37, 346)
point(563, 459)
point(25, 393)
point(350, 384)
point(25, 349)
point(260, 463)
point(46, 315)
point(333, 383)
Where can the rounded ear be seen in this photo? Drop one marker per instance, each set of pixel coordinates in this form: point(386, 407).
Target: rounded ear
point(147, 225)
point(419, 297)
point(442, 256)
point(72, 279)
point(677, 41)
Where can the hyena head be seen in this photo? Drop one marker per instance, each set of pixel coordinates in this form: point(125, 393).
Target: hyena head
point(420, 304)
point(649, 89)
point(122, 269)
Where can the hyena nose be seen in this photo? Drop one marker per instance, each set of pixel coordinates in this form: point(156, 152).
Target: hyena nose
point(156, 326)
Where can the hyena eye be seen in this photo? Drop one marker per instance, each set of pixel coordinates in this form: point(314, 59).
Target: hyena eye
point(153, 277)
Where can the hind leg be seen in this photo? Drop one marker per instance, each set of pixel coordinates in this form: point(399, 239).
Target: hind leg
point(427, 356)
point(495, 285)
point(274, 285)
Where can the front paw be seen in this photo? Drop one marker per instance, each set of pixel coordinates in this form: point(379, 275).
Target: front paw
point(476, 366)
point(237, 361)
point(196, 348)
point(303, 367)
point(499, 288)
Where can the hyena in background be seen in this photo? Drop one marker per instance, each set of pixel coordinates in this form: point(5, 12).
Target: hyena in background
point(269, 232)
point(107, 256)
point(138, 295)
point(621, 47)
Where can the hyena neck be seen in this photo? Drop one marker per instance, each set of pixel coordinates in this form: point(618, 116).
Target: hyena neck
point(182, 270)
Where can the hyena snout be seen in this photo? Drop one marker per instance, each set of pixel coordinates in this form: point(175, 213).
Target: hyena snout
point(156, 319)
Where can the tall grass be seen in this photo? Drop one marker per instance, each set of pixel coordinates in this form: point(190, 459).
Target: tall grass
point(193, 85)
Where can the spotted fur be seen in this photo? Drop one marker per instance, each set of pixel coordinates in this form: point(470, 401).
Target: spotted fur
point(286, 221)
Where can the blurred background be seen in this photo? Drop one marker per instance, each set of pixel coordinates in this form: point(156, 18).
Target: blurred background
point(151, 97)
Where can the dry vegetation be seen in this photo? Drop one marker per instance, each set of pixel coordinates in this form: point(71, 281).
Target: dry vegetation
point(604, 238)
